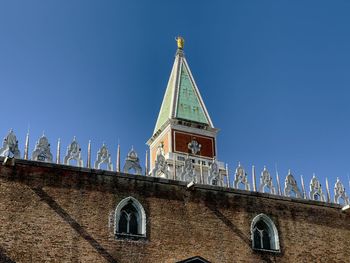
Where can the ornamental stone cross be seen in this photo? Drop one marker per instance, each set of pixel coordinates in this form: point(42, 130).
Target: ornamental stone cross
point(194, 146)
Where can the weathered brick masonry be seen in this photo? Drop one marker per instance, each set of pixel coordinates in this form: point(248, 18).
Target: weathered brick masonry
point(57, 213)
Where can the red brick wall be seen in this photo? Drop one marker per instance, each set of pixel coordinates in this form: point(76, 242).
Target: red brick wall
point(51, 213)
point(181, 140)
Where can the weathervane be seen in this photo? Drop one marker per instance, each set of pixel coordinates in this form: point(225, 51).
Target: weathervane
point(180, 42)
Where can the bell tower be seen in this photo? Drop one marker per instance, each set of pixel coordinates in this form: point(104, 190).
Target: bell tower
point(183, 144)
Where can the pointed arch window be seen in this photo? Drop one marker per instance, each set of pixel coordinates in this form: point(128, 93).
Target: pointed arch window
point(130, 219)
point(264, 234)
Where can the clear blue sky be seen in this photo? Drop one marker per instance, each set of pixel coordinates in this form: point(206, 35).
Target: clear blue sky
point(274, 76)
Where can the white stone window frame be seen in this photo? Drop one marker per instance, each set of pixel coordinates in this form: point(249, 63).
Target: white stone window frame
point(141, 217)
point(275, 244)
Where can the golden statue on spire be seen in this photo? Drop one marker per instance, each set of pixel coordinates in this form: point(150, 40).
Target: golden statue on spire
point(180, 42)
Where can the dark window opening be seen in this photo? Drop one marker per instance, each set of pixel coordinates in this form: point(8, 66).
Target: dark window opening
point(262, 236)
point(123, 223)
point(128, 221)
point(133, 225)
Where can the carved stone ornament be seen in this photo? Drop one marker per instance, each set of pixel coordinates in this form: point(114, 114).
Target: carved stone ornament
point(290, 185)
point(161, 167)
point(266, 182)
point(241, 178)
point(132, 162)
point(103, 156)
point(73, 153)
point(339, 193)
point(10, 146)
point(188, 173)
point(316, 190)
point(42, 150)
point(214, 175)
point(194, 146)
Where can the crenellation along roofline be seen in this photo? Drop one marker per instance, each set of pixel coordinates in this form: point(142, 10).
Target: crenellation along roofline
point(95, 178)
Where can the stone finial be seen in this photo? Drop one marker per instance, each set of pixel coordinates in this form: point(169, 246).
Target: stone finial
point(291, 186)
point(279, 191)
point(10, 146)
point(161, 168)
point(254, 178)
point(188, 173)
point(146, 163)
point(201, 174)
point(58, 153)
point(214, 177)
point(175, 167)
point(42, 150)
point(132, 162)
point(241, 178)
point(328, 192)
point(26, 147)
point(227, 176)
point(118, 159)
point(339, 193)
point(303, 187)
point(266, 182)
point(73, 153)
point(88, 162)
point(103, 157)
point(316, 190)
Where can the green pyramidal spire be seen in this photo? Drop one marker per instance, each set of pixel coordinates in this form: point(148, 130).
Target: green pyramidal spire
point(182, 99)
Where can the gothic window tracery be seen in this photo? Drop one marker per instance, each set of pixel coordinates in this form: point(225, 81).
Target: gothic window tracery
point(264, 234)
point(130, 219)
